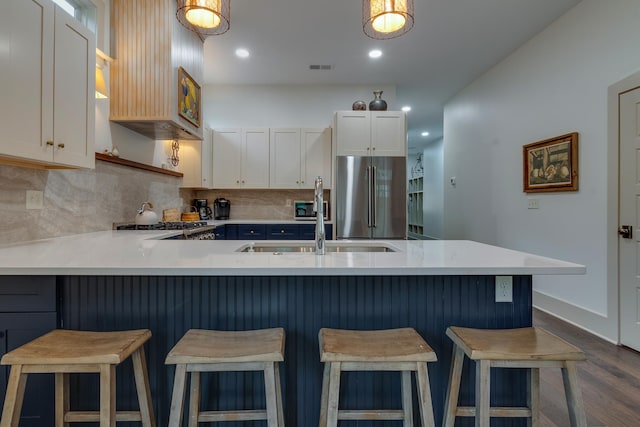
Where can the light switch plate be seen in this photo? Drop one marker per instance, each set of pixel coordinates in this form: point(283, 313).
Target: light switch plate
point(533, 204)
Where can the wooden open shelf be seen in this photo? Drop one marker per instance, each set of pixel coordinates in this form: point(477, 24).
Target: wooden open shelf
point(132, 164)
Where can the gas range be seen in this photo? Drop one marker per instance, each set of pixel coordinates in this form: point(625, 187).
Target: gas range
point(192, 230)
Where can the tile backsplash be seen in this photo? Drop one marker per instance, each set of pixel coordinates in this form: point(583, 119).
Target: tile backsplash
point(259, 204)
point(83, 201)
point(80, 201)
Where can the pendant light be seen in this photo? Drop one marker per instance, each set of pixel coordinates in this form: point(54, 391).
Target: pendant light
point(386, 19)
point(206, 17)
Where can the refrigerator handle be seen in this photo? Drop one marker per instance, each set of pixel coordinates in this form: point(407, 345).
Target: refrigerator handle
point(369, 199)
point(374, 196)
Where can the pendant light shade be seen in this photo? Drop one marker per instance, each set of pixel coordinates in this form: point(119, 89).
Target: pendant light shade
point(206, 17)
point(386, 19)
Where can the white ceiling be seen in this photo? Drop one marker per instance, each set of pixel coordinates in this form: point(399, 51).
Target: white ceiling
point(451, 44)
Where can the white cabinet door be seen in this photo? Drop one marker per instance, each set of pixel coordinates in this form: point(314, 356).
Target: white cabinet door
point(26, 82)
point(196, 159)
point(388, 133)
point(74, 92)
point(284, 163)
point(316, 157)
point(353, 133)
point(227, 158)
point(48, 104)
point(255, 158)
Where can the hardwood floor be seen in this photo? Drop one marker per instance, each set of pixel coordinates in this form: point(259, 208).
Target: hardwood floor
point(609, 379)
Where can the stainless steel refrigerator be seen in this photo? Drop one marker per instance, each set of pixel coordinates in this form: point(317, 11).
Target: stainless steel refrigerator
point(371, 197)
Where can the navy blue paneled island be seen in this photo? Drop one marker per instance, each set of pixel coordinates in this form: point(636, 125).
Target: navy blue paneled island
point(127, 280)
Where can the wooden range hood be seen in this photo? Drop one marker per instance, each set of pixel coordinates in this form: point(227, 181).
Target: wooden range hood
point(149, 46)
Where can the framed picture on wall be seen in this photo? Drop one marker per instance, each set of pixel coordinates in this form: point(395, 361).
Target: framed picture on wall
point(551, 164)
point(188, 97)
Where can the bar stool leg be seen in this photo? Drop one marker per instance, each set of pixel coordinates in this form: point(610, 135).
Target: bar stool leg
point(533, 396)
point(574, 397)
point(270, 394)
point(324, 398)
point(14, 397)
point(179, 390)
point(279, 395)
point(62, 398)
point(407, 399)
point(334, 394)
point(483, 392)
point(194, 399)
point(455, 374)
point(142, 387)
point(107, 395)
point(424, 395)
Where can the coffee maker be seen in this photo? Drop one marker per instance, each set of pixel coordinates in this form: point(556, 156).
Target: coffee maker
point(203, 209)
point(221, 208)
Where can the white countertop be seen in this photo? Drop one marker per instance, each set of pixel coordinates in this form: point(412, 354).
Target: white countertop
point(142, 253)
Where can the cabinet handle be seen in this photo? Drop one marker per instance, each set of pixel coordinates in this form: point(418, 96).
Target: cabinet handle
point(243, 181)
point(251, 232)
point(61, 145)
point(374, 148)
point(368, 148)
point(50, 143)
point(297, 182)
point(303, 182)
point(237, 181)
point(281, 231)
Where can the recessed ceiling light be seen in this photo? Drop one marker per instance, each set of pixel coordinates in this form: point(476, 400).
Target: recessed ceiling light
point(425, 133)
point(376, 53)
point(406, 108)
point(242, 53)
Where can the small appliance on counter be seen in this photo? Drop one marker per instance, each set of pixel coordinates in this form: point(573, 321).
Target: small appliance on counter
point(203, 209)
point(146, 215)
point(221, 208)
point(303, 210)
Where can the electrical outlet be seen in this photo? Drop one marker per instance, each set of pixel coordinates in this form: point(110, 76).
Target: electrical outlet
point(533, 204)
point(504, 289)
point(35, 199)
point(288, 202)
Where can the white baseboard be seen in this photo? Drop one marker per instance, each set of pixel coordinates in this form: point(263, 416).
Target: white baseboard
point(594, 323)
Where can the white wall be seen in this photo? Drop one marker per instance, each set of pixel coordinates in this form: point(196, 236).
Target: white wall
point(554, 84)
point(232, 106)
point(432, 163)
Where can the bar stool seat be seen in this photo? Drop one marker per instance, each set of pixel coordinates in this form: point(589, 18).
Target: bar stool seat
point(215, 351)
point(62, 352)
point(531, 348)
point(401, 350)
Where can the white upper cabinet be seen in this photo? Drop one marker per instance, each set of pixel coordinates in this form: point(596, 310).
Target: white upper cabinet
point(240, 158)
point(47, 65)
point(298, 156)
point(315, 160)
point(371, 133)
point(196, 158)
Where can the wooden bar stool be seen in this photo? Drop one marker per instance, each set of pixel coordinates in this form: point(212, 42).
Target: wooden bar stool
point(401, 350)
point(216, 351)
point(531, 348)
point(62, 352)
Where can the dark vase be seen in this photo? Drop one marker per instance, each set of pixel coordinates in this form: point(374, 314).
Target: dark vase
point(378, 104)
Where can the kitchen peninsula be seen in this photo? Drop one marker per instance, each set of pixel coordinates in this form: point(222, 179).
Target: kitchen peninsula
point(133, 279)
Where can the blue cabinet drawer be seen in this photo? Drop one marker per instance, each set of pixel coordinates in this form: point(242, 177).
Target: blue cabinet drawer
point(221, 232)
point(251, 231)
point(308, 231)
point(283, 231)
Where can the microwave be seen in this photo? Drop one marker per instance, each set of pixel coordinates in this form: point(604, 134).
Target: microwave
point(303, 210)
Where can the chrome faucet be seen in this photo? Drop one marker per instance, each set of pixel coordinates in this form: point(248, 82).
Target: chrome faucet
point(318, 207)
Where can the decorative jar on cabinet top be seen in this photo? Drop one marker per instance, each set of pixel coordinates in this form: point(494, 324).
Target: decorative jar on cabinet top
point(378, 104)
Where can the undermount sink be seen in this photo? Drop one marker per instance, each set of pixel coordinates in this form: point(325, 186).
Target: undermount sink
point(281, 247)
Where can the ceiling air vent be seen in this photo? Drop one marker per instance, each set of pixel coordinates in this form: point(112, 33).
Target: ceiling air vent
point(320, 67)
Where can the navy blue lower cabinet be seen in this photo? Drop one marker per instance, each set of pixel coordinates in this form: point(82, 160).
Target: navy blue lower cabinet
point(308, 231)
point(252, 231)
point(220, 232)
point(283, 232)
point(28, 310)
point(169, 306)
